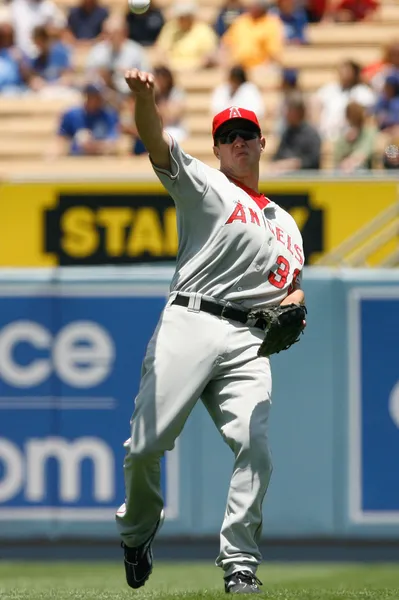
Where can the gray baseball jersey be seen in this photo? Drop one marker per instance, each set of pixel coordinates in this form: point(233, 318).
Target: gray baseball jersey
point(234, 244)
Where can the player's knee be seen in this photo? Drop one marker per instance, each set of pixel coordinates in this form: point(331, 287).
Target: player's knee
point(247, 434)
point(259, 454)
point(266, 460)
point(138, 449)
point(144, 448)
point(250, 447)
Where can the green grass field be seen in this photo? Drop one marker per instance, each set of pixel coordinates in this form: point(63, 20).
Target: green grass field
point(105, 581)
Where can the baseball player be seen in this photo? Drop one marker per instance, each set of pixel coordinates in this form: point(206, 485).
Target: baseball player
point(238, 253)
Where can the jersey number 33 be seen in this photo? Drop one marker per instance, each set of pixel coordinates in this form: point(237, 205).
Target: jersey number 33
point(278, 277)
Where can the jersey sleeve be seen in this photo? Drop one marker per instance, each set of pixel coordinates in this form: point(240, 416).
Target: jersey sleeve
point(187, 180)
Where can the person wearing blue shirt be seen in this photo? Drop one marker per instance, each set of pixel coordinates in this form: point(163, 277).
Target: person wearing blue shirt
point(85, 21)
point(90, 129)
point(386, 112)
point(294, 21)
point(386, 108)
point(52, 63)
point(144, 28)
point(13, 63)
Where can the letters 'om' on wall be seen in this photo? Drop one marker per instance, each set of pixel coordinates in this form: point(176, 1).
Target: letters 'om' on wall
point(65, 223)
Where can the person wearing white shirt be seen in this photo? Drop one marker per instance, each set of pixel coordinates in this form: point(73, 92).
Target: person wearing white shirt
point(330, 101)
point(28, 14)
point(111, 57)
point(237, 91)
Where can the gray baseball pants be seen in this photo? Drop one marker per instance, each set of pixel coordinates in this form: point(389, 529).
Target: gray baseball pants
point(191, 355)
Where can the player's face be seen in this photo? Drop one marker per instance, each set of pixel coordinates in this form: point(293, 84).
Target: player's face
point(239, 149)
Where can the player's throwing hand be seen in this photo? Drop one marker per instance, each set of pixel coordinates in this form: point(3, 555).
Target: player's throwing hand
point(140, 82)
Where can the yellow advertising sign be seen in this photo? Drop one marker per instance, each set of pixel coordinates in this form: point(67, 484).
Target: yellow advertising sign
point(50, 224)
point(74, 224)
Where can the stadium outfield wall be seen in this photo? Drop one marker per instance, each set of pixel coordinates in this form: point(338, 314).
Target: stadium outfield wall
point(71, 344)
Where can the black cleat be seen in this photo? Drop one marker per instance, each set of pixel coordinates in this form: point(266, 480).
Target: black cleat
point(242, 582)
point(138, 560)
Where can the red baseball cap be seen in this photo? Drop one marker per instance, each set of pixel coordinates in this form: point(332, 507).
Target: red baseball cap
point(234, 112)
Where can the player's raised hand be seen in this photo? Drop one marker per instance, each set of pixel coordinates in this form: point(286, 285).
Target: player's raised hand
point(140, 82)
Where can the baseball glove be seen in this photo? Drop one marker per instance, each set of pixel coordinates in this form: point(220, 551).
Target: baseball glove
point(284, 325)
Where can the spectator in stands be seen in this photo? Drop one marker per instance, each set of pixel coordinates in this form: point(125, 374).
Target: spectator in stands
point(238, 91)
point(171, 101)
point(355, 147)
point(349, 11)
point(300, 144)
point(228, 13)
point(85, 21)
point(184, 42)
point(294, 20)
point(386, 110)
point(52, 64)
point(369, 72)
point(145, 28)
point(330, 101)
point(340, 10)
point(13, 63)
point(288, 84)
point(28, 14)
point(388, 66)
point(383, 79)
point(317, 10)
point(255, 38)
point(90, 129)
point(171, 105)
point(111, 57)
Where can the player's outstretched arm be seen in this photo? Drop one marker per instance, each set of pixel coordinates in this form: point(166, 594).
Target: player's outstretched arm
point(148, 121)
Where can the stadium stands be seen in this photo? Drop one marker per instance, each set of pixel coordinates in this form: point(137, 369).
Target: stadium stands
point(28, 124)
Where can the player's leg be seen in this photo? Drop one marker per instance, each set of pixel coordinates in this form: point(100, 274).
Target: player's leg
point(179, 362)
point(239, 401)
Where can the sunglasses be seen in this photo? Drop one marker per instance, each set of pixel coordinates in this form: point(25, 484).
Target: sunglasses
point(230, 136)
